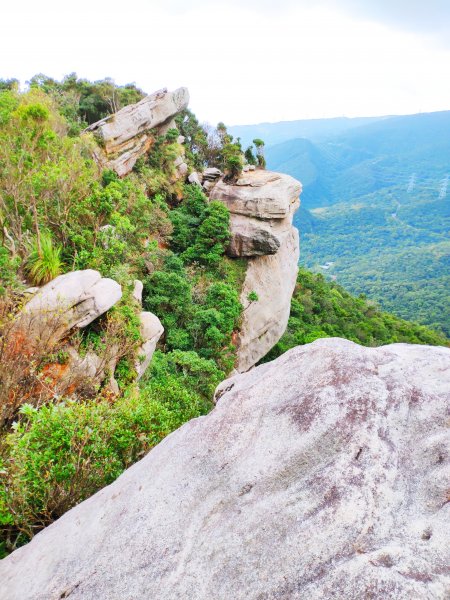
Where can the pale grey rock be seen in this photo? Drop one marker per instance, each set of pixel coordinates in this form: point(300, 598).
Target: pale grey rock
point(256, 237)
point(208, 185)
point(262, 206)
point(128, 134)
point(194, 178)
point(151, 331)
point(90, 366)
point(164, 129)
point(137, 290)
point(31, 291)
point(265, 320)
point(211, 174)
point(72, 300)
point(260, 194)
point(182, 170)
point(323, 474)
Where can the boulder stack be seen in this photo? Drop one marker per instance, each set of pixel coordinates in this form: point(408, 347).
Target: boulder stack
point(262, 205)
point(128, 134)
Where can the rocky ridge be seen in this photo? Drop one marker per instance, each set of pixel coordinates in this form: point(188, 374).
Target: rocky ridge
point(262, 205)
point(323, 474)
point(128, 134)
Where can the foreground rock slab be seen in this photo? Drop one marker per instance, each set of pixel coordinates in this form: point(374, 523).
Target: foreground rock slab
point(323, 474)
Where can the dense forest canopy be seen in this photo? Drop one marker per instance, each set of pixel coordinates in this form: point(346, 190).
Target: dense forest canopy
point(376, 210)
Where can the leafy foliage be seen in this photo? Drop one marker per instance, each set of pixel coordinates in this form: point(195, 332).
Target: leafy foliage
point(44, 261)
point(60, 454)
point(321, 308)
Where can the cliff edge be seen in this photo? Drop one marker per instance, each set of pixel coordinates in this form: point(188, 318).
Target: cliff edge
point(322, 474)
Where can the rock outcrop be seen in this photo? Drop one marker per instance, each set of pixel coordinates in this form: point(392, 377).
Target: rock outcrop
point(71, 300)
point(264, 320)
point(323, 474)
point(262, 205)
point(128, 134)
point(151, 331)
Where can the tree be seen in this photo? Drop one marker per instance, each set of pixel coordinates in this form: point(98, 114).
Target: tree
point(259, 144)
point(249, 156)
point(213, 235)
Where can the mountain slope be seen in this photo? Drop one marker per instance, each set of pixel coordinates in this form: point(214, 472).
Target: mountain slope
point(322, 308)
point(313, 129)
point(380, 211)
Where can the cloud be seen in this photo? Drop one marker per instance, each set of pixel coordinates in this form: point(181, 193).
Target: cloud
point(431, 17)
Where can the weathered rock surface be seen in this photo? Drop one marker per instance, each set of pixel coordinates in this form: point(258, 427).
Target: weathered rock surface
point(128, 134)
point(151, 331)
point(253, 237)
point(262, 205)
point(323, 474)
point(194, 178)
point(260, 194)
point(265, 320)
point(211, 174)
point(71, 300)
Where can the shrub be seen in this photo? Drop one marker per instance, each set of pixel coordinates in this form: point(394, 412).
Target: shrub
point(60, 454)
point(212, 237)
point(44, 260)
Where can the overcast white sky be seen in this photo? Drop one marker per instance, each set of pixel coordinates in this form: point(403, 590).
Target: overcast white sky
point(247, 61)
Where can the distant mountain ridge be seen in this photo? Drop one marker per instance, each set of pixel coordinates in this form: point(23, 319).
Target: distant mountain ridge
point(368, 157)
point(376, 204)
point(313, 129)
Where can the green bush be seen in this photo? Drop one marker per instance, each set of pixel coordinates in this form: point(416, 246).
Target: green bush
point(60, 454)
point(212, 236)
point(44, 260)
point(8, 271)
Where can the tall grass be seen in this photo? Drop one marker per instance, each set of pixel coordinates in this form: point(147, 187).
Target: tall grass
point(44, 264)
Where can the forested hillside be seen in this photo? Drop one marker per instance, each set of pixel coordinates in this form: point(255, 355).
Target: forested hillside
point(59, 212)
point(376, 207)
point(322, 308)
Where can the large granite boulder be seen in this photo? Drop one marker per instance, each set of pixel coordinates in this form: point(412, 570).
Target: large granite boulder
point(151, 331)
point(323, 474)
point(128, 134)
point(71, 300)
point(262, 205)
point(260, 194)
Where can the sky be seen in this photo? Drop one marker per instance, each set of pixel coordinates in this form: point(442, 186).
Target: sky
point(245, 61)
